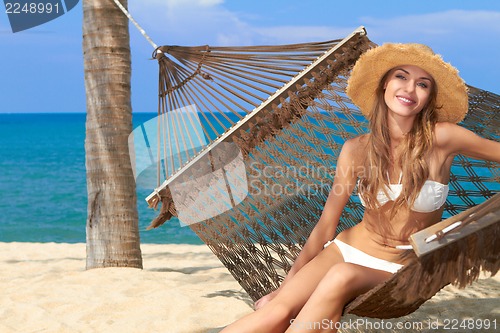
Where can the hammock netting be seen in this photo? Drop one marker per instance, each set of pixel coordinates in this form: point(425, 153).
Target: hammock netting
point(284, 111)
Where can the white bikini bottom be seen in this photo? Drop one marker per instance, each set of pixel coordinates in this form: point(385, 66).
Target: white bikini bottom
point(355, 256)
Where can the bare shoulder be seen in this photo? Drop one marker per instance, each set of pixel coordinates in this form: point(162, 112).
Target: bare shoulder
point(445, 132)
point(354, 149)
point(454, 139)
point(349, 162)
point(356, 146)
point(451, 135)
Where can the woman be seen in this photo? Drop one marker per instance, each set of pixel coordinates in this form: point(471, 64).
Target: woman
point(412, 99)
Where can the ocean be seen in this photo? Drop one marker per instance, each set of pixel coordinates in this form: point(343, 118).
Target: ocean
point(43, 187)
point(43, 191)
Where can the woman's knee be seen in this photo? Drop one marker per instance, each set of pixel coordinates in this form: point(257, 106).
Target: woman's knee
point(345, 281)
point(340, 280)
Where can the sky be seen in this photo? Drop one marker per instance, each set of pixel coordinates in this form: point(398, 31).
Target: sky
point(42, 68)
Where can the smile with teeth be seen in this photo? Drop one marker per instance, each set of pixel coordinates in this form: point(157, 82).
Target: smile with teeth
point(405, 100)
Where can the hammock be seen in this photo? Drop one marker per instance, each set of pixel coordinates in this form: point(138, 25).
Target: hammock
point(280, 114)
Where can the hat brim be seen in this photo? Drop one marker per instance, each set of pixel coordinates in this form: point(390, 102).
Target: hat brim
point(452, 98)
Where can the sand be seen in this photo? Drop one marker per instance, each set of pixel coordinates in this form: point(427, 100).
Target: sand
point(44, 287)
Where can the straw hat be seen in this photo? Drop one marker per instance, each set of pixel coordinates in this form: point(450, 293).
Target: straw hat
point(372, 65)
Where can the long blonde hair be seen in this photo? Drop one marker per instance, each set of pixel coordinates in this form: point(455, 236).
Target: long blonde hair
point(411, 155)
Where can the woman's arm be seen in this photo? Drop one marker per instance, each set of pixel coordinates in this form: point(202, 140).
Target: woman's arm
point(459, 140)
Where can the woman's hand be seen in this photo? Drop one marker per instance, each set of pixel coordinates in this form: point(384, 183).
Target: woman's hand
point(265, 299)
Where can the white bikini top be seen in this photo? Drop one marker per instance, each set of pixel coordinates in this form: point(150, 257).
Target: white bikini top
point(431, 197)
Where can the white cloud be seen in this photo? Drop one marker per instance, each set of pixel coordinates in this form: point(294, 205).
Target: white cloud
point(209, 21)
point(300, 34)
point(454, 24)
point(465, 38)
point(175, 3)
point(190, 22)
point(203, 3)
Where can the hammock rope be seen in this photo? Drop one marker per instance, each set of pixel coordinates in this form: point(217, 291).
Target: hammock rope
point(285, 109)
point(247, 97)
point(131, 19)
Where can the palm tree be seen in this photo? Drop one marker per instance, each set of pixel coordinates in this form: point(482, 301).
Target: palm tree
point(112, 218)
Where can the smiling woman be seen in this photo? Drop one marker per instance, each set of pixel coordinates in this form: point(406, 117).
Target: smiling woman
point(412, 100)
point(407, 89)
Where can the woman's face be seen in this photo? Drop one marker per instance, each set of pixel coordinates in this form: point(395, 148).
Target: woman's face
point(407, 90)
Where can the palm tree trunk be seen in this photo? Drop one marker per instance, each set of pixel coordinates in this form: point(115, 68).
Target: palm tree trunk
point(112, 219)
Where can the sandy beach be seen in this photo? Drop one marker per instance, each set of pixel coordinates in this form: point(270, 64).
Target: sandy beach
point(182, 289)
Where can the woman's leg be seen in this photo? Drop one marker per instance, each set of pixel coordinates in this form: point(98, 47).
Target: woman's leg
point(275, 316)
point(342, 283)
